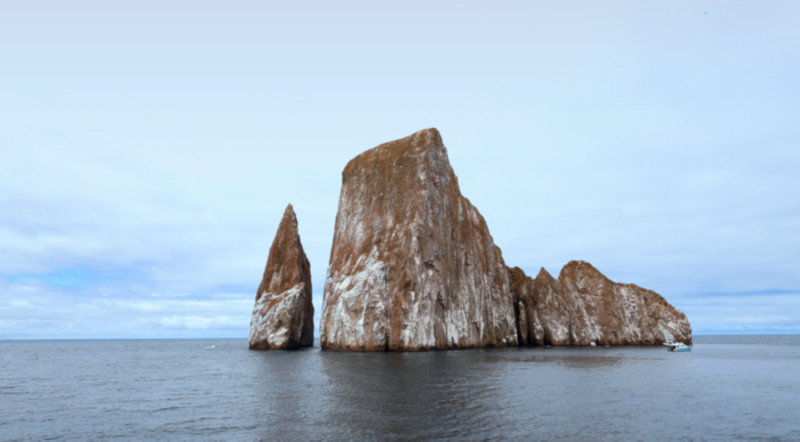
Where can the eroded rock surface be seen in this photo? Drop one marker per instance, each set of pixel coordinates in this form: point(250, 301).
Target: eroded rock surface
point(283, 315)
point(584, 307)
point(413, 266)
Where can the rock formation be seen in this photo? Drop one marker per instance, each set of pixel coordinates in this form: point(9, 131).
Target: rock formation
point(584, 307)
point(413, 266)
point(283, 315)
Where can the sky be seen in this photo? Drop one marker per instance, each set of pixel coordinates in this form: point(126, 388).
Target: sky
point(149, 148)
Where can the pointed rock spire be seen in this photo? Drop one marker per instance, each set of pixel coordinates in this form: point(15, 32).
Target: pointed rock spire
point(283, 315)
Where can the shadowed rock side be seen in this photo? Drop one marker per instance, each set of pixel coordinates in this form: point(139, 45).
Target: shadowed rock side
point(583, 306)
point(413, 266)
point(546, 314)
point(283, 315)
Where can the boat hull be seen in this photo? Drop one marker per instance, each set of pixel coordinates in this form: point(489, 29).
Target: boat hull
point(678, 347)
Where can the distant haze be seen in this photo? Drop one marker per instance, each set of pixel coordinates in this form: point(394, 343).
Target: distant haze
point(148, 149)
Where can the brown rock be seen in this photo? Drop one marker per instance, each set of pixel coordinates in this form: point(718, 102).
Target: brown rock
point(584, 307)
point(283, 315)
point(548, 315)
point(413, 266)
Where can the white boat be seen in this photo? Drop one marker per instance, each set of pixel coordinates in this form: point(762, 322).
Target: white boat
point(677, 346)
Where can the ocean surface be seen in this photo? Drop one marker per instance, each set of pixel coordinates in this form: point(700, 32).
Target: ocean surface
point(726, 388)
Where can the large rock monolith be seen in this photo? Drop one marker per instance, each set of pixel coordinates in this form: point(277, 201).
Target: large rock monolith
point(413, 266)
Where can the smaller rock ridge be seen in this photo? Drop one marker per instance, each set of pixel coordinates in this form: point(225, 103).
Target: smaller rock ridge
point(283, 315)
point(583, 307)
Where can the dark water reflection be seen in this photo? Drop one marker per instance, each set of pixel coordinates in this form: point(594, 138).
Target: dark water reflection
point(384, 395)
point(218, 390)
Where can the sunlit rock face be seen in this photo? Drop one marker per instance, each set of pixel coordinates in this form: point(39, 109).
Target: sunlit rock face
point(413, 266)
point(584, 307)
point(283, 315)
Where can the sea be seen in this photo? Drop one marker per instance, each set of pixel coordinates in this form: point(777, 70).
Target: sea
point(726, 388)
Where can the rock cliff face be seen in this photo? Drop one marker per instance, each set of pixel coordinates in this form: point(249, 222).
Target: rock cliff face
point(283, 315)
point(413, 266)
point(584, 307)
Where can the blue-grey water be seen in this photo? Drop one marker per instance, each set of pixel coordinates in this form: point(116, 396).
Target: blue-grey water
point(727, 388)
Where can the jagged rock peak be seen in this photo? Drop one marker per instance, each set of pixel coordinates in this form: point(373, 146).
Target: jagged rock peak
point(581, 270)
point(283, 315)
point(546, 315)
point(412, 265)
point(544, 274)
point(516, 276)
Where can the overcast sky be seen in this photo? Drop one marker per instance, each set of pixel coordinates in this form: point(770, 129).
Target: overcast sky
point(149, 148)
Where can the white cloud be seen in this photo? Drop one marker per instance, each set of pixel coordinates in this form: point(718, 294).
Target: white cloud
point(201, 322)
point(40, 312)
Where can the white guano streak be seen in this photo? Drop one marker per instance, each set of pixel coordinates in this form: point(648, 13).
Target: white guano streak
point(361, 291)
